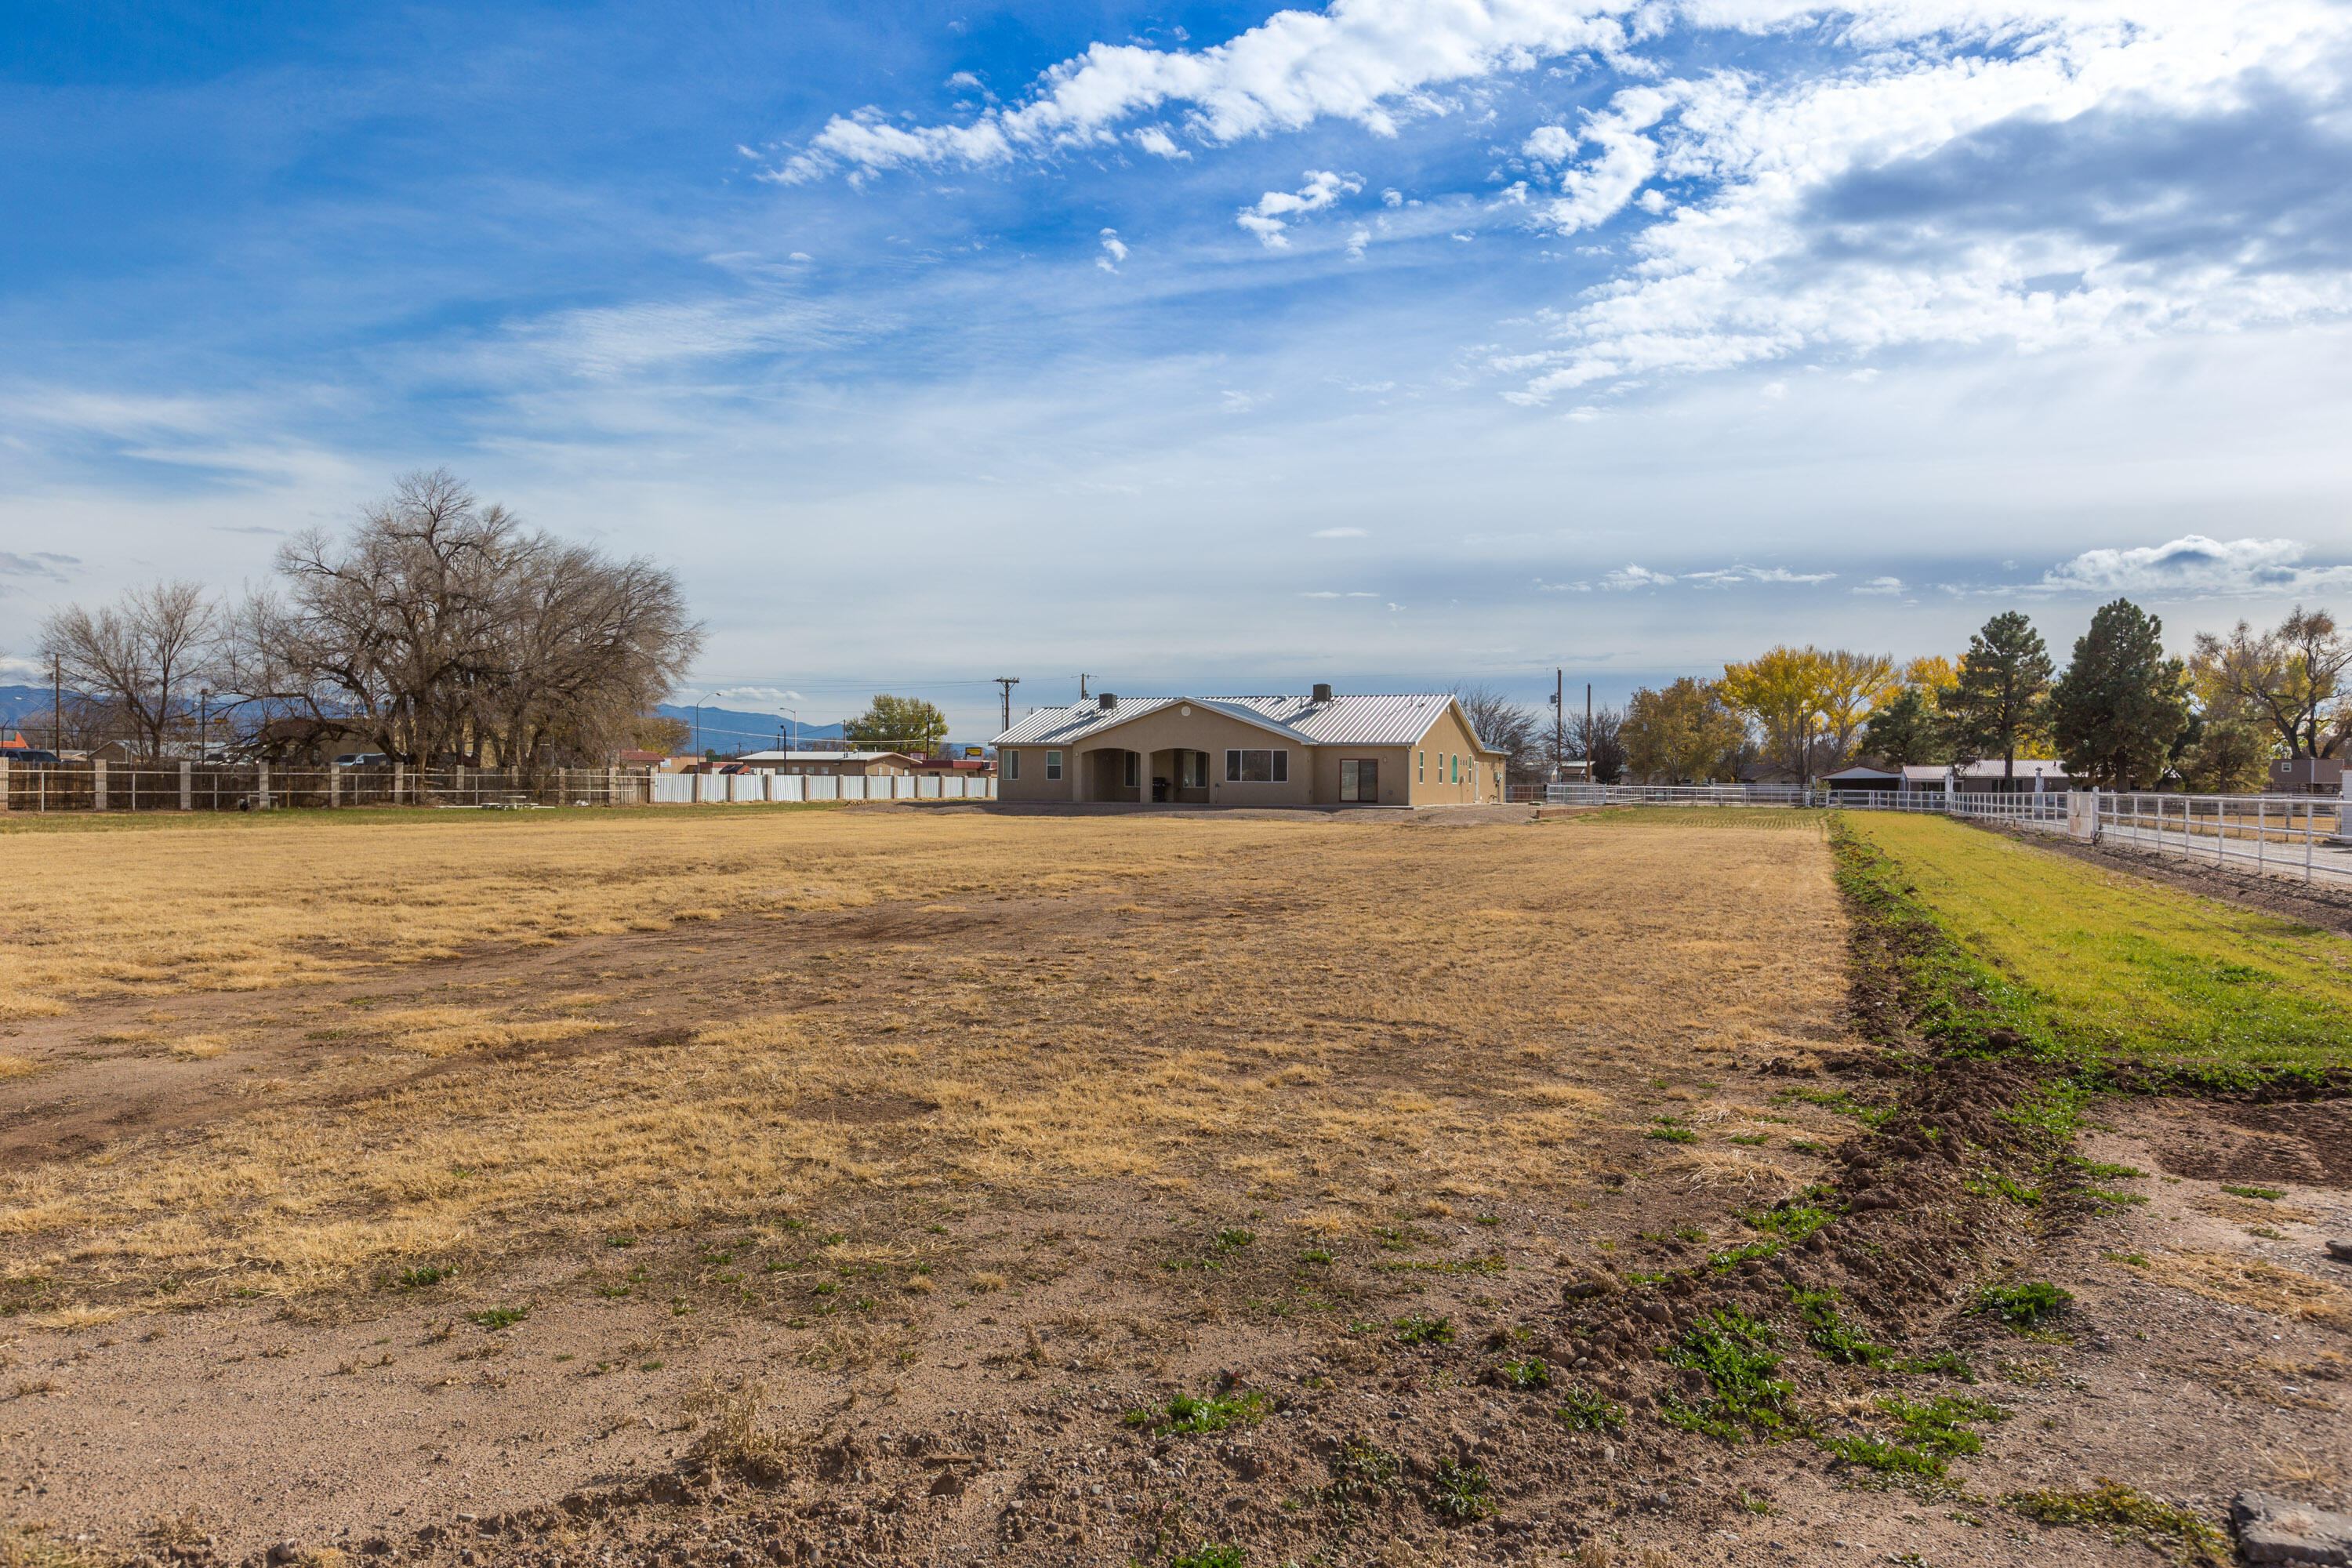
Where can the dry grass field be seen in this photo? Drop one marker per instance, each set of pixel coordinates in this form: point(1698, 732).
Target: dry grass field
point(1313, 1010)
point(792, 1186)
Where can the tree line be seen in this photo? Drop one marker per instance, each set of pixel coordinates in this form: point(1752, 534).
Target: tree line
point(2122, 714)
point(435, 629)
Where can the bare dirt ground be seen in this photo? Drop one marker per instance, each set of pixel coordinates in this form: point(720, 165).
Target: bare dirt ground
point(855, 1234)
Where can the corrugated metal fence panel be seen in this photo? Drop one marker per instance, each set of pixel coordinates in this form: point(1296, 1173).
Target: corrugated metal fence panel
point(823, 788)
point(926, 788)
point(673, 789)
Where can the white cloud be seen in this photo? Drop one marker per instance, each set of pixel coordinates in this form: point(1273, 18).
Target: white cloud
point(1113, 252)
point(767, 694)
point(1270, 217)
point(1326, 594)
point(1631, 576)
point(963, 79)
point(1365, 60)
point(1158, 144)
point(1337, 534)
point(1727, 577)
point(1886, 585)
point(1548, 143)
point(1240, 402)
point(25, 671)
point(1788, 246)
point(2194, 567)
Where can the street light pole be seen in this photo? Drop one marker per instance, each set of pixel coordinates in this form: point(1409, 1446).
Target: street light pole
point(698, 720)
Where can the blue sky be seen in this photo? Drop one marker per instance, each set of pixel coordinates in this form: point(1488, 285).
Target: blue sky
point(1399, 344)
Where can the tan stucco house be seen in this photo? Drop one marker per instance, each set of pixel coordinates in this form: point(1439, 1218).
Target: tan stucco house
point(1318, 750)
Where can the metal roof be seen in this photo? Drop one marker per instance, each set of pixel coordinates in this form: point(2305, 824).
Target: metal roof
point(1388, 719)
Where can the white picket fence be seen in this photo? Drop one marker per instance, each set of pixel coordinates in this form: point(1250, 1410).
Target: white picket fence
point(722, 789)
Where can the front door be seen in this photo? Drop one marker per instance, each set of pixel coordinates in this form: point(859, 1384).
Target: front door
point(1360, 782)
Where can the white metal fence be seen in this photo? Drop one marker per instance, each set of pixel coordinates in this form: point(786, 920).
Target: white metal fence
point(248, 786)
point(2296, 836)
point(706, 789)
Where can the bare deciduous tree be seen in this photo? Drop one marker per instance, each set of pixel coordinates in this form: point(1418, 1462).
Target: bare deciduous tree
point(441, 628)
point(139, 657)
point(1510, 727)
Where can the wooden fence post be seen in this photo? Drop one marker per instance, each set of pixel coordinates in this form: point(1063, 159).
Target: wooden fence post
point(3, 783)
point(187, 787)
point(98, 784)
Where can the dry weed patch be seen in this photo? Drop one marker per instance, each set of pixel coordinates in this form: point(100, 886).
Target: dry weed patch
point(2244, 1282)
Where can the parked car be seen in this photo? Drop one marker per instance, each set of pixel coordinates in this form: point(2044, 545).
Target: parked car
point(25, 756)
point(362, 760)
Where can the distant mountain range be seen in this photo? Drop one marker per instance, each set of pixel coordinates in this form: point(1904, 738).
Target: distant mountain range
point(728, 730)
point(725, 729)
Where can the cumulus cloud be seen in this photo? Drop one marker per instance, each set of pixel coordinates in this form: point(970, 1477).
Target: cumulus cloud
point(2194, 567)
point(1887, 585)
point(767, 694)
point(1271, 216)
point(1113, 251)
point(1548, 144)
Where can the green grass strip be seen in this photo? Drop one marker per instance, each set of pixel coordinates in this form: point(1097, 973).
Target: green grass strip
point(2087, 961)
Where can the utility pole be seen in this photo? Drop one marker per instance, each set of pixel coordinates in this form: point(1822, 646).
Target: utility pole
point(57, 705)
point(1007, 682)
point(1588, 734)
point(1558, 721)
point(1082, 688)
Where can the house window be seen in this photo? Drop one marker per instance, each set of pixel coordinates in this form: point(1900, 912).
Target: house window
point(1131, 760)
point(1457, 768)
point(1053, 765)
point(1192, 769)
point(1012, 764)
point(1257, 767)
point(1420, 767)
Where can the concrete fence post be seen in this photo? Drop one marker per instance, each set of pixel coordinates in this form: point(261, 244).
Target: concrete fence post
point(98, 784)
point(261, 785)
point(187, 787)
point(334, 784)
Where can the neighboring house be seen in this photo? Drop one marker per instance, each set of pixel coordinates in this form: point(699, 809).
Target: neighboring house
point(2306, 775)
point(1320, 749)
point(831, 765)
point(953, 767)
point(1862, 778)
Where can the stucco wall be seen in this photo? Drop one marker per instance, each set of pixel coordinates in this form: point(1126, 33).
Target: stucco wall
point(1395, 780)
point(1409, 776)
